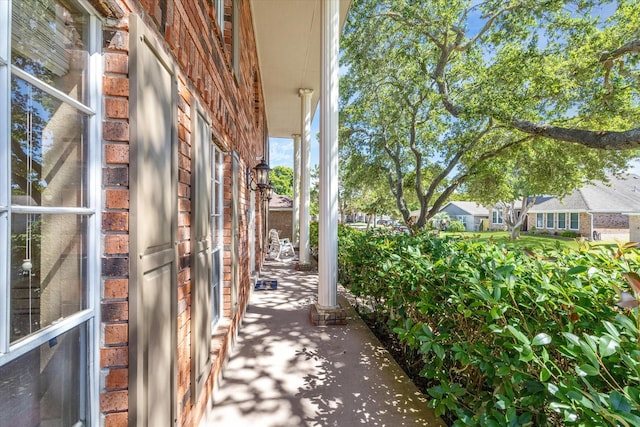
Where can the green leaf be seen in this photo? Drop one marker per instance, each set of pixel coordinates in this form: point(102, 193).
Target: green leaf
point(541, 339)
point(439, 351)
point(619, 402)
point(545, 374)
point(577, 270)
point(519, 335)
point(587, 370)
point(573, 339)
point(607, 346)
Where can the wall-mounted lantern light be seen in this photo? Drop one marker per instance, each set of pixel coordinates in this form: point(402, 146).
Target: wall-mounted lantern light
point(268, 191)
point(261, 181)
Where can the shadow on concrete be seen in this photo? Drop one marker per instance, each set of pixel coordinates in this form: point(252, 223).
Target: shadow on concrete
point(286, 372)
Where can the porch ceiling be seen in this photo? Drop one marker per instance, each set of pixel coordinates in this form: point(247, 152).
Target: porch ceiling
point(288, 43)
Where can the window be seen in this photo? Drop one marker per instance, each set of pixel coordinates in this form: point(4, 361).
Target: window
point(235, 39)
point(551, 220)
point(218, 7)
point(562, 221)
point(217, 230)
point(496, 216)
point(539, 220)
point(574, 223)
point(49, 79)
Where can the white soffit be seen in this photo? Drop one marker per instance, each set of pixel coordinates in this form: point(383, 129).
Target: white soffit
point(288, 41)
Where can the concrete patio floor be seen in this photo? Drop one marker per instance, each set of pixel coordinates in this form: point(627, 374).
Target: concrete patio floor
point(286, 372)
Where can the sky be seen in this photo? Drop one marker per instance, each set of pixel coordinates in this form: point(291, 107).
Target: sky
point(281, 149)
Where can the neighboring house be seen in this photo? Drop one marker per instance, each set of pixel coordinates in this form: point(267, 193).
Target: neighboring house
point(129, 229)
point(281, 215)
point(597, 211)
point(470, 214)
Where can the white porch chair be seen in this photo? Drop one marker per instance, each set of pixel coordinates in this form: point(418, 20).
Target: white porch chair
point(279, 247)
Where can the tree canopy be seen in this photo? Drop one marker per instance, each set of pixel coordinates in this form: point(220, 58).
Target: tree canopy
point(541, 95)
point(282, 180)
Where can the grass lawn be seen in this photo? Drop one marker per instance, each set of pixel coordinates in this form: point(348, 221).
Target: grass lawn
point(528, 241)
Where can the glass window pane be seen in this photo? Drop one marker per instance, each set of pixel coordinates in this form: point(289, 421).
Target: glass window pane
point(47, 386)
point(48, 152)
point(562, 221)
point(48, 270)
point(573, 218)
point(539, 220)
point(550, 220)
point(48, 41)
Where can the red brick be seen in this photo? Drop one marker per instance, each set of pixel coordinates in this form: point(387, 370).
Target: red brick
point(115, 86)
point(117, 199)
point(116, 244)
point(117, 379)
point(117, 108)
point(115, 131)
point(116, 288)
point(116, 153)
point(114, 401)
point(116, 334)
point(114, 356)
point(115, 221)
point(116, 419)
point(116, 63)
point(115, 311)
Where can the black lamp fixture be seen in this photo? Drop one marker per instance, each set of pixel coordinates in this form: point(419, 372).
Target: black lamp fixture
point(268, 191)
point(261, 181)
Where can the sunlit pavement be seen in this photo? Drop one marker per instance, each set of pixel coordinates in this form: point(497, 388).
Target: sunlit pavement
point(286, 372)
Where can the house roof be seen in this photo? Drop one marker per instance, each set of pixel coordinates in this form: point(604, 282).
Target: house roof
point(465, 208)
point(279, 202)
point(618, 195)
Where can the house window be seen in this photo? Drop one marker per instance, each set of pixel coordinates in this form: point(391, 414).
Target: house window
point(217, 233)
point(574, 223)
point(496, 216)
point(562, 221)
point(539, 220)
point(48, 210)
point(551, 220)
point(218, 7)
point(235, 39)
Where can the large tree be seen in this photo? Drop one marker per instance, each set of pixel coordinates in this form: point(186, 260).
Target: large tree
point(445, 89)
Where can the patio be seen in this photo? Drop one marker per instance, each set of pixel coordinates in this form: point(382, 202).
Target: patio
point(286, 372)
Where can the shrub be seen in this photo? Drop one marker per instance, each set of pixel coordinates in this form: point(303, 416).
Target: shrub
point(571, 234)
point(503, 336)
point(456, 227)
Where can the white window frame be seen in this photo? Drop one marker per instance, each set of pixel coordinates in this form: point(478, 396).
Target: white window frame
point(496, 216)
point(93, 109)
point(571, 214)
point(553, 220)
point(564, 227)
point(539, 220)
point(218, 7)
point(217, 232)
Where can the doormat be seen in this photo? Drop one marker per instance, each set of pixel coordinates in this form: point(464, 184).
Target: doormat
point(262, 285)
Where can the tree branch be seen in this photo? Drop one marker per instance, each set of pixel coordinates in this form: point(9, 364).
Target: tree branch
point(606, 140)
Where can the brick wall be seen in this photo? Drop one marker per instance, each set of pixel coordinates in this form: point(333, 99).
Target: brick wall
point(281, 221)
point(188, 31)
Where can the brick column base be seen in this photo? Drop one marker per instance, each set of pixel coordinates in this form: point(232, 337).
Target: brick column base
point(327, 316)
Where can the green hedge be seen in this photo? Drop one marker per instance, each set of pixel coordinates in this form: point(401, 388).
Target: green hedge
point(502, 336)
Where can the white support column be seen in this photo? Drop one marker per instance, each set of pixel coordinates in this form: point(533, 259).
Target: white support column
point(328, 206)
point(305, 176)
point(295, 236)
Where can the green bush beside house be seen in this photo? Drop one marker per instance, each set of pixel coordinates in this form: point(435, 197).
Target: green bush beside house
point(503, 335)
